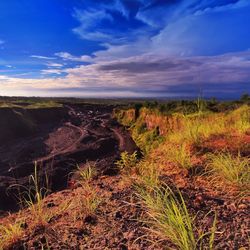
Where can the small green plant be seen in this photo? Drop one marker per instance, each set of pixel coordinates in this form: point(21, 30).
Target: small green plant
point(170, 219)
point(10, 234)
point(127, 162)
point(230, 168)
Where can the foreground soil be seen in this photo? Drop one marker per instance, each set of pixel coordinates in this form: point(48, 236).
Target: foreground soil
point(118, 221)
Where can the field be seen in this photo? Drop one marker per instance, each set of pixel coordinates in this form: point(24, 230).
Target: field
point(126, 174)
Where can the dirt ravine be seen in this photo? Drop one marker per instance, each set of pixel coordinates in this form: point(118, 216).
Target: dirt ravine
point(84, 133)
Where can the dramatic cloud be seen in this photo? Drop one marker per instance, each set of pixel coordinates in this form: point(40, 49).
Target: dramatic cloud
point(148, 75)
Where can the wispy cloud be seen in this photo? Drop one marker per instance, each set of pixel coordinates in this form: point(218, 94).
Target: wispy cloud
point(54, 65)
point(68, 57)
point(2, 41)
point(42, 57)
point(51, 71)
point(89, 24)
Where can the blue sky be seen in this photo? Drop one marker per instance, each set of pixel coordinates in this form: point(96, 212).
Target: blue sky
point(125, 48)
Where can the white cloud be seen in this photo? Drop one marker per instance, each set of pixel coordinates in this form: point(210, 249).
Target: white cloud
point(55, 65)
point(2, 41)
point(42, 57)
point(67, 56)
point(51, 71)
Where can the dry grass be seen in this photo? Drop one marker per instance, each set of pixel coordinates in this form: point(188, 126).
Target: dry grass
point(33, 198)
point(10, 234)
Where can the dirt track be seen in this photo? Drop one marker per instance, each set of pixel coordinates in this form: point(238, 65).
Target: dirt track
point(87, 133)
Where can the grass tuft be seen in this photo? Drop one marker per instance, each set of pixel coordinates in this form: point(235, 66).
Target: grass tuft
point(88, 172)
point(169, 218)
point(229, 168)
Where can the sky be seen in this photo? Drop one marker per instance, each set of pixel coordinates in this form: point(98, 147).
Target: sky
point(125, 48)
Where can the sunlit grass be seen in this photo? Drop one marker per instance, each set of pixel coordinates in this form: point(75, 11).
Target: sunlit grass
point(10, 234)
point(241, 119)
point(169, 218)
point(148, 175)
point(229, 168)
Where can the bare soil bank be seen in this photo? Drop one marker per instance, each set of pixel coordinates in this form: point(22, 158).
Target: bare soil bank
point(58, 139)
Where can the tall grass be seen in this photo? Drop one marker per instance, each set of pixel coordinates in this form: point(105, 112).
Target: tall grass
point(169, 218)
point(33, 197)
point(241, 119)
point(148, 175)
point(232, 169)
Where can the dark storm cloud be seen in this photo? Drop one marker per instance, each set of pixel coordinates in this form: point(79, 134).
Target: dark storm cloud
point(146, 67)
